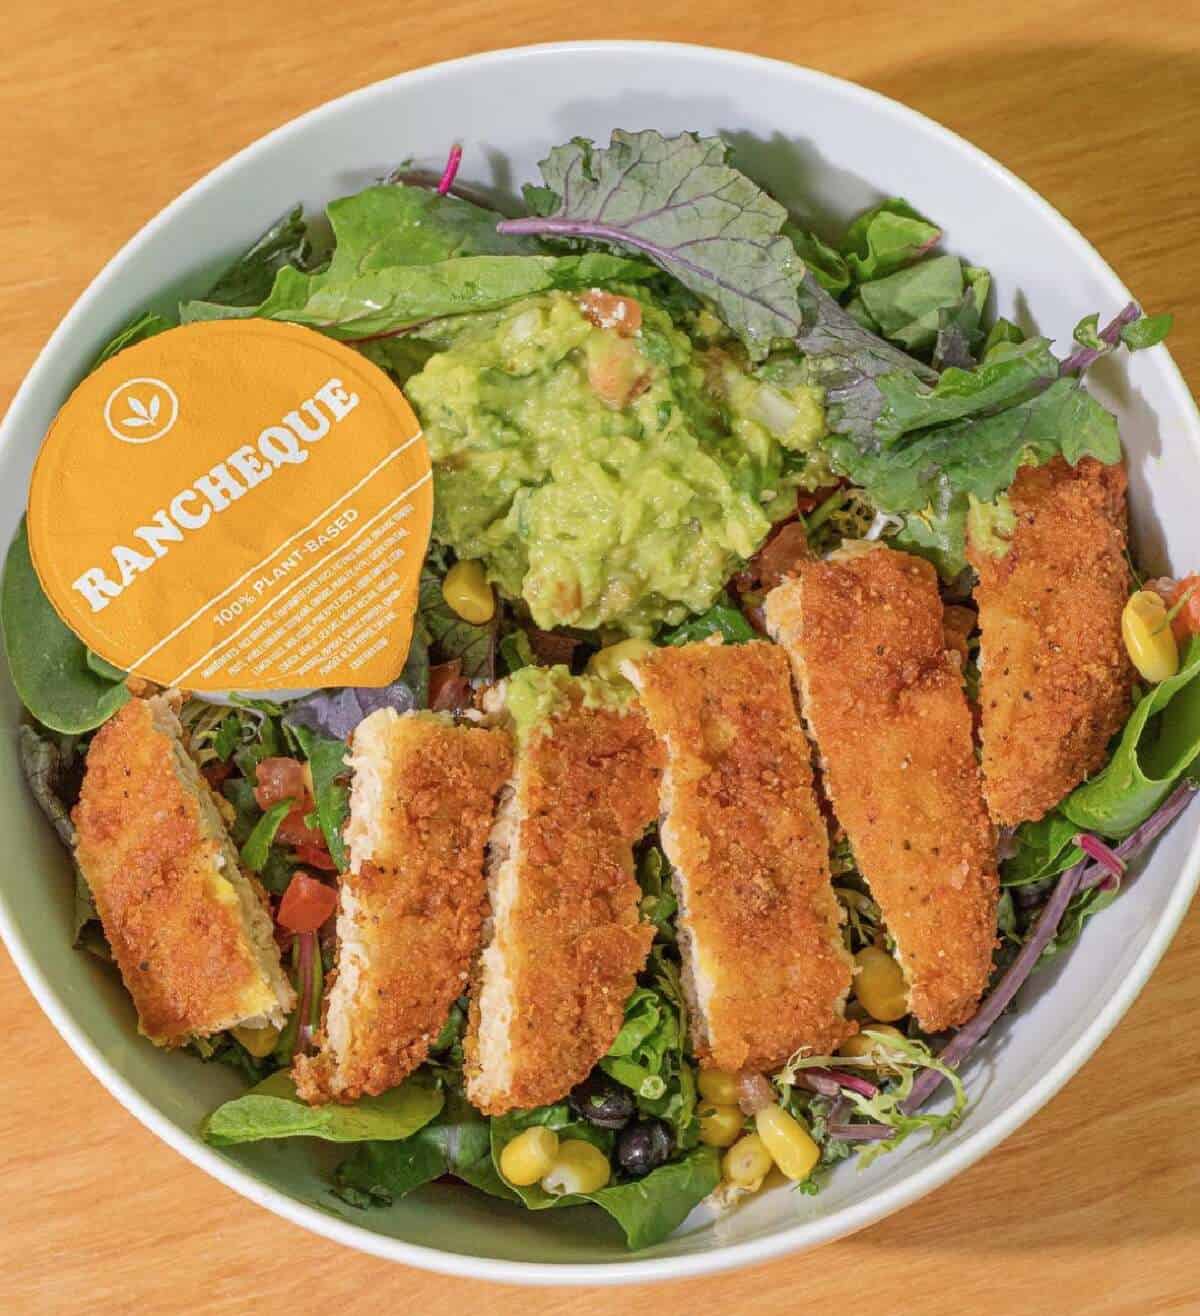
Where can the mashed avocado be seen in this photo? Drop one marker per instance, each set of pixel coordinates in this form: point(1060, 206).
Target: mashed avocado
point(608, 480)
point(535, 694)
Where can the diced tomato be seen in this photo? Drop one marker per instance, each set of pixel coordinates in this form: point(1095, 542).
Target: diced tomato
point(295, 832)
point(552, 647)
point(306, 904)
point(781, 554)
point(449, 690)
point(281, 779)
point(216, 772)
point(315, 856)
point(608, 311)
point(616, 370)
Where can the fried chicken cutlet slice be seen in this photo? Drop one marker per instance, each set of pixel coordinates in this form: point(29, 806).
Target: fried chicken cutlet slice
point(189, 930)
point(411, 908)
point(1054, 675)
point(765, 967)
point(565, 943)
point(884, 701)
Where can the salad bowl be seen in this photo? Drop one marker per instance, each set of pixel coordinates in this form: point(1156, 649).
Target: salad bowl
point(826, 149)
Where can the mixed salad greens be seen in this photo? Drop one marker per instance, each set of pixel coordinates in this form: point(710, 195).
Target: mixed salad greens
point(812, 388)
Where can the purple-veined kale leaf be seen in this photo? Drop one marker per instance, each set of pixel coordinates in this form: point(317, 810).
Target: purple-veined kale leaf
point(678, 201)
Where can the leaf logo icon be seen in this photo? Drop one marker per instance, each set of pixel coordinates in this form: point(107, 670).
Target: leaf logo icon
point(148, 416)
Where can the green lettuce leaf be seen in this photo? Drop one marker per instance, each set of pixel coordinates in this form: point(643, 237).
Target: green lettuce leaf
point(49, 666)
point(906, 305)
point(258, 844)
point(885, 238)
point(273, 1110)
point(647, 1210)
point(1159, 744)
point(649, 1054)
point(331, 788)
point(136, 331)
point(932, 475)
point(397, 297)
point(1001, 381)
point(679, 202)
point(828, 266)
point(250, 278)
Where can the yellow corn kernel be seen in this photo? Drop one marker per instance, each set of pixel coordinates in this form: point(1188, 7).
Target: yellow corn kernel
point(788, 1141)
point(529, 1156)
point(719, 1087)
point(1148, 637)
point(579, 1167)
point(260, 1042)
point(720, 1126)
point(466, 590)
point(879, 984)
point(606, 663)
point(861, 1047)
point(308, 780)
point(747, 1163)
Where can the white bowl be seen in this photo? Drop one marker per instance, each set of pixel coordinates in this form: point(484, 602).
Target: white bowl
point(826, 148)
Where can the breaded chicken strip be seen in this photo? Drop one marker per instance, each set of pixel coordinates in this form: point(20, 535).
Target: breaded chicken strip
point(1055, 677)
point(412, 906)
point(189, 931)
point(765, 967)
point(884, 701)
point(565, 943)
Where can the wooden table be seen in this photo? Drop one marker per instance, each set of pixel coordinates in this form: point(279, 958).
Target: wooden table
point(112, 107)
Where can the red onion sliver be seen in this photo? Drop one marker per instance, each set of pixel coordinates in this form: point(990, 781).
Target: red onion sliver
point(754, 1092)
point(1084, 875)
point(447, 181)
point(307, 942)
point(1094, 848)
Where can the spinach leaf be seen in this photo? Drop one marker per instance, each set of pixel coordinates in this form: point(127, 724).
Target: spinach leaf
point(258, 843)
point(678, 201)
point(1160, 742)
point(885, 238)
point(330, 774)
point(49, 666)
point(273, 1110)
point(721, 619)
point(647, 1210)
point(1044, 848)
point(457, 1142)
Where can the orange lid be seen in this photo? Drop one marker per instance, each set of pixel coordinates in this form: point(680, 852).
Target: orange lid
point(236, 504)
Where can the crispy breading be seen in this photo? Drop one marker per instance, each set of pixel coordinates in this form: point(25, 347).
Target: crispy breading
point(1055, 677)
point(187, 928)
point(765, 965)
point(412, 906)
point(566, 943)
point(884, 701)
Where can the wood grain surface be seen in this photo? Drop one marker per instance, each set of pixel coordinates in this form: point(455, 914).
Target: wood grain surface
point(109, 109)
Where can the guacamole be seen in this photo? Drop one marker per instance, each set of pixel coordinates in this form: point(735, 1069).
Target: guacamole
point(609, 478)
